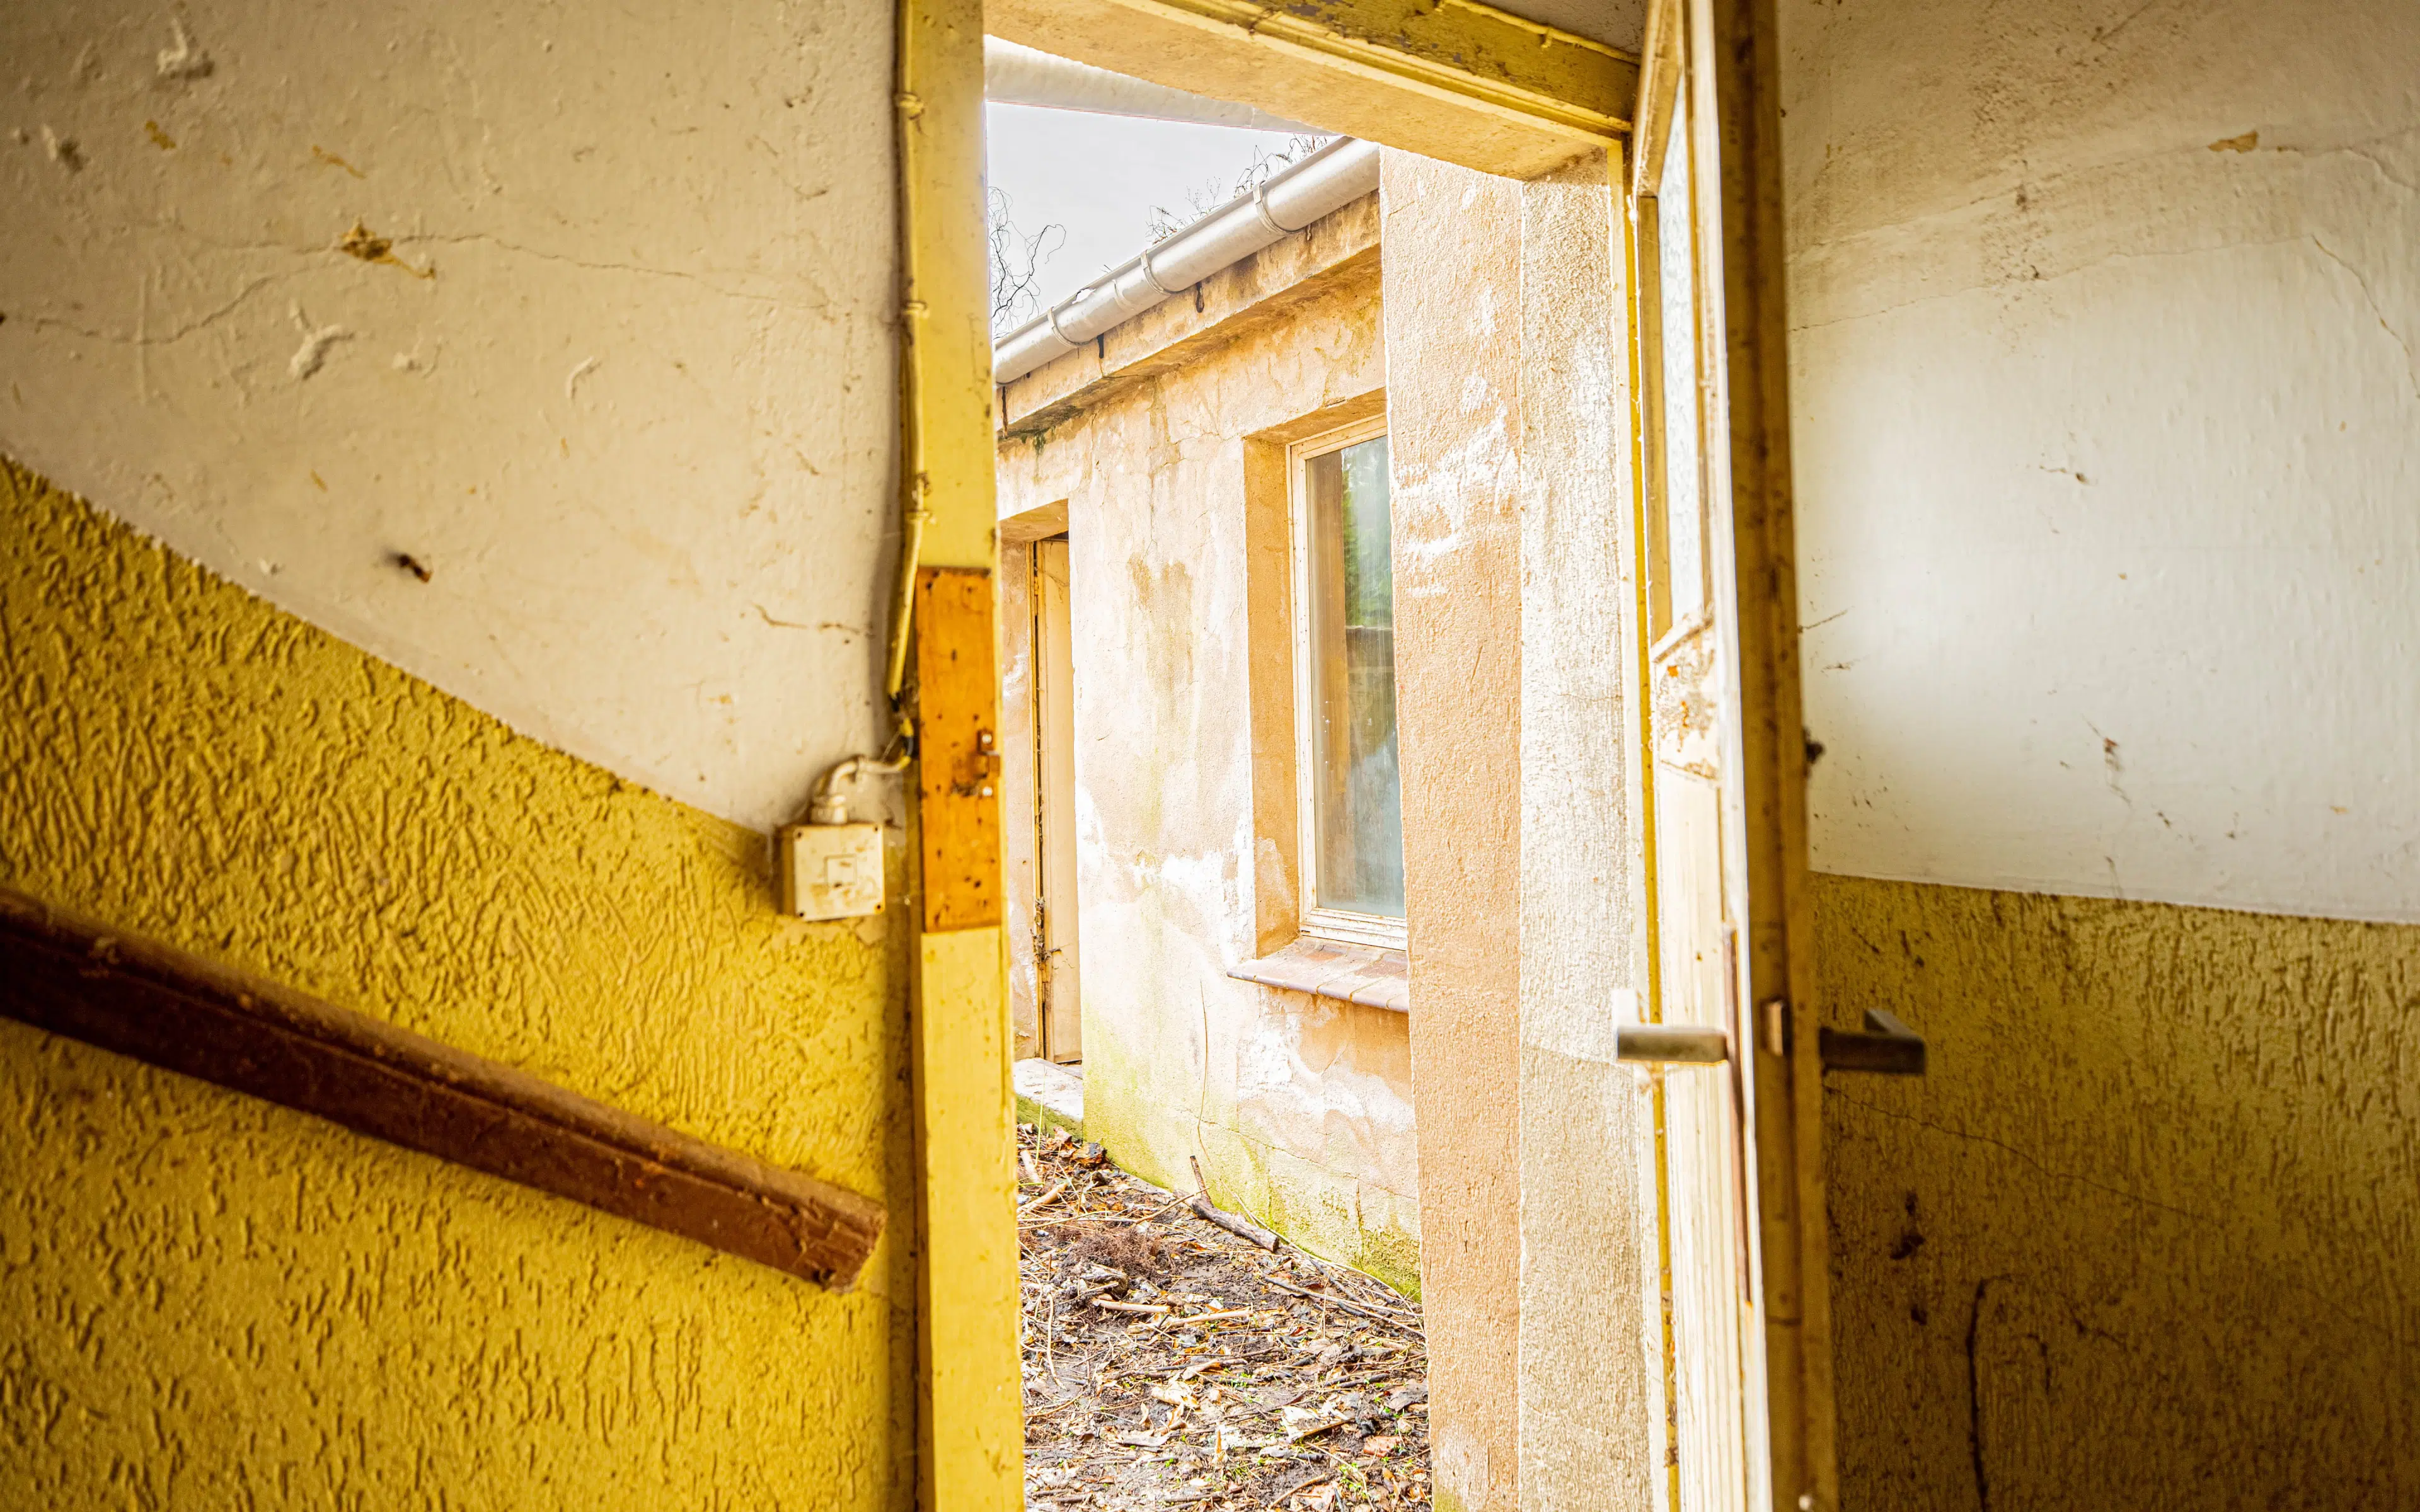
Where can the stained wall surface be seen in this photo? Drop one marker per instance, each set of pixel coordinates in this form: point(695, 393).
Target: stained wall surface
point(210, 1301)
point(2103, 419)
point(1586, 1264)
point(2107, 431)
point(2146, 1228)
point(1507, 391)
point(1298, 1107)
point(609, 356)
point(1453, 241)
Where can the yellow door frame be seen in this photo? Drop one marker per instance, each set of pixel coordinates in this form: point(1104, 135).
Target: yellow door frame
point(970, 1415)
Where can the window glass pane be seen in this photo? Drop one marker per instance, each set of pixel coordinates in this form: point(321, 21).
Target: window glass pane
point(1357, 799)
point(1676, 272)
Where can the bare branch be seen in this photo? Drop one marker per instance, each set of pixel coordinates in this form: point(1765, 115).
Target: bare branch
point(1017, 261)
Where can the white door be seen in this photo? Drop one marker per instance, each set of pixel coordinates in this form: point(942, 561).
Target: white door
point(1732, 1019)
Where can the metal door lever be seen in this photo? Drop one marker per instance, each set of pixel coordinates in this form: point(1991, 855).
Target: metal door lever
point(1686, 1044)
point(1886, 1046)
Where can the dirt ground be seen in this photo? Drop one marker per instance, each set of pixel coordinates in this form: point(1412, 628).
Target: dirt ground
point(1170, 1362)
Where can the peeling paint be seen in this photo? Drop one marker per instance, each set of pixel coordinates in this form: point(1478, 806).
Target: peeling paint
point(308, 357)
point(182, 60)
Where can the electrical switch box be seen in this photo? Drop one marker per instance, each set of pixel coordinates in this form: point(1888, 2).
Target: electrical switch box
point(829, 871)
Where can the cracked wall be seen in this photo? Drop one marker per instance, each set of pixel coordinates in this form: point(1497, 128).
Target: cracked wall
point(208, 1301)
point(586, 313)
point(1298, 1107)
point(2106, 429)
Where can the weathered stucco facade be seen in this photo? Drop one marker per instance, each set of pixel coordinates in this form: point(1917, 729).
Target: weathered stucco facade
point(1166, 451)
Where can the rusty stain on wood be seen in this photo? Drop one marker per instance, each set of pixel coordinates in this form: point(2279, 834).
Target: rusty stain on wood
point(178, 1012)
point(957, 725)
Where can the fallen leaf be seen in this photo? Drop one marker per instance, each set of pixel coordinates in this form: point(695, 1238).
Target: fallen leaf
point(1383, 1444)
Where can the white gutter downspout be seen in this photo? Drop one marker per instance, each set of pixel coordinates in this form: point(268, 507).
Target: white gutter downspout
point(1328, 180)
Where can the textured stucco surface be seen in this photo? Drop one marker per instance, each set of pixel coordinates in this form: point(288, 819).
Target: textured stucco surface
point(1299, 1108)
point(621, 377)
point(1454, 360)
point(2107, 433)
point(1585, 1254)
point(207, 1300)
point(2145, 1233)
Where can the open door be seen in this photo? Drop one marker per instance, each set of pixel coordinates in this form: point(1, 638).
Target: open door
point(1732, 1022)
point(1056, 970)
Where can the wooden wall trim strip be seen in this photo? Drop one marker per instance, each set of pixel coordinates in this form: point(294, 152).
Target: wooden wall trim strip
point(958, 748)
point(176, 1012)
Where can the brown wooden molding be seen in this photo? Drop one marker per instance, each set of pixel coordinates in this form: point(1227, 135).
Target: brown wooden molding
point(173, 1010)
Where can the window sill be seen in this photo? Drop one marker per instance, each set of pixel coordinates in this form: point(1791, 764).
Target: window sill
point(1362, 973)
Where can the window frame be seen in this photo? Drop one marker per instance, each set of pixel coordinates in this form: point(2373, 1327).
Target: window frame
point(1331, 924)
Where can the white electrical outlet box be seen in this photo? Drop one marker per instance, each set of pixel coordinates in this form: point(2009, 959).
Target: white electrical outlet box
point(829, 871)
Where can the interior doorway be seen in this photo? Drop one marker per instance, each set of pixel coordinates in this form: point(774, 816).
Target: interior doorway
point(1058, 973)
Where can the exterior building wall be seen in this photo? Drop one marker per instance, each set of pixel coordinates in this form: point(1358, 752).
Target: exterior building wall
point(1299, 1108)
point(1453, 347)
point(1590, 1317)
point(2105, 426)
point(1508, 390)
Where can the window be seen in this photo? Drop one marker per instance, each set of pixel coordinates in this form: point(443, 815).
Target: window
point(1677, 534)
point(1351, 799)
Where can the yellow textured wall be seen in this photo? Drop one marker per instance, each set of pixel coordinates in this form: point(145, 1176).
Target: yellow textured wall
point(2148, 1234)
point(208, 1301)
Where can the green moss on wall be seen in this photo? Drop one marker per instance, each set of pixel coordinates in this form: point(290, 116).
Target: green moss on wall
point(208, 1301)
point(2147, 1231)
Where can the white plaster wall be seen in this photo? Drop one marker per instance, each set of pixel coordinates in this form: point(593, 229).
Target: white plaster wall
point(2107, 438)
point(625, 389)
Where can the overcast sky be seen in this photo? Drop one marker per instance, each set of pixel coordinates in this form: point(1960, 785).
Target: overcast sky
point(1099, 175)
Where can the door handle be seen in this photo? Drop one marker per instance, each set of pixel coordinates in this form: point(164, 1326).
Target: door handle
point(1885, 1046)
point(1682, 1044)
